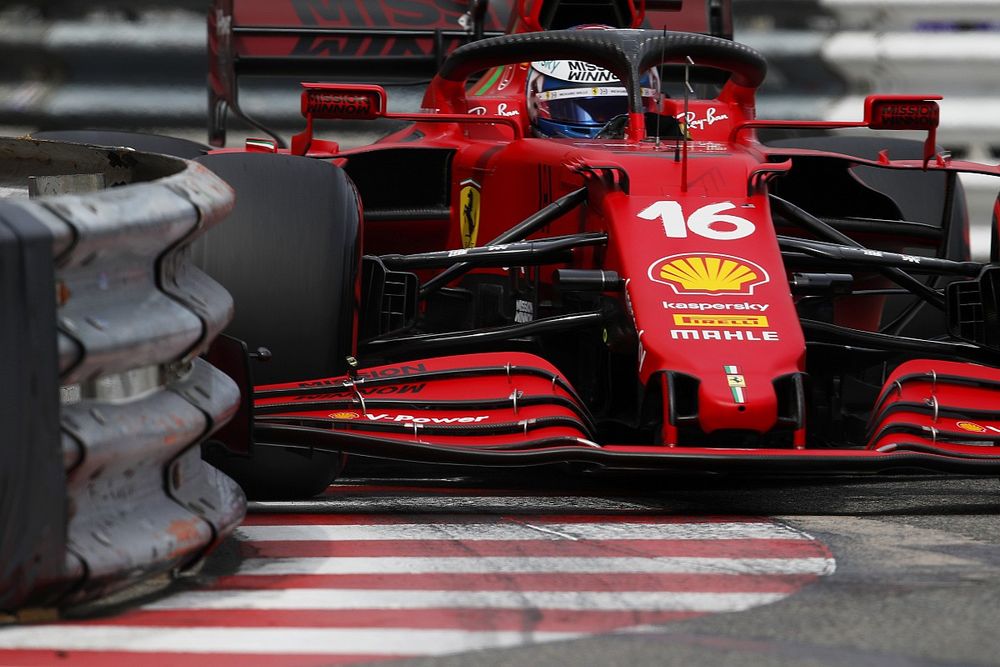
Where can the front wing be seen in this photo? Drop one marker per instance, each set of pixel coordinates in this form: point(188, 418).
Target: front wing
point(516, 409)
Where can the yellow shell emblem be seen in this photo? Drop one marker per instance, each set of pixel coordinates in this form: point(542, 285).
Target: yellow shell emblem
point(344, 415)
point(973, 427)
point(708, 274)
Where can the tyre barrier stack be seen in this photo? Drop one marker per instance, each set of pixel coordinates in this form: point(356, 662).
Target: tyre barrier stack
point(103, 397)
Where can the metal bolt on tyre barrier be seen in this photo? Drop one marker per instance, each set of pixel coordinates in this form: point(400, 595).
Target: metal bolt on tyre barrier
point(104, 400)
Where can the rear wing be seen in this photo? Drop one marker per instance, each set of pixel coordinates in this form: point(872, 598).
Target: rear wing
point(399, 41)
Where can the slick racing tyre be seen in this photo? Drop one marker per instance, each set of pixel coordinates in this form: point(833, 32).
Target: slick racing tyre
point(149, 143)
point(289, 255)
point(995, 233)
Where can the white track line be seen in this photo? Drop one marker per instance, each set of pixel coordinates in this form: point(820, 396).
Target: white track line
point(406, 605)
point(406, 599)
point(414, 503)
point(506, 564)
point(275, 641)
point(519, 531)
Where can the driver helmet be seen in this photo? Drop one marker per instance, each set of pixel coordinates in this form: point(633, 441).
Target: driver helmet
point(575, 99)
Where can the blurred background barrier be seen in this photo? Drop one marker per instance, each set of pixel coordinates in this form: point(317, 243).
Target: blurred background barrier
point(103, 398)
point(829, 54)
point(141, 65)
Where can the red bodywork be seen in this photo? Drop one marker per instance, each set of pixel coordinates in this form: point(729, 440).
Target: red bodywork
point(690, 232)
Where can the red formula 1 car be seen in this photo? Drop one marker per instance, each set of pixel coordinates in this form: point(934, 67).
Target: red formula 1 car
point(579, 251)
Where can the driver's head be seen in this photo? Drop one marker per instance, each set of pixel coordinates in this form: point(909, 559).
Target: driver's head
point(570, 98)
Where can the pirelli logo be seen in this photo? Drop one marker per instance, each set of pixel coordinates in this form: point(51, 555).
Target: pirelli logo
point(721, 321)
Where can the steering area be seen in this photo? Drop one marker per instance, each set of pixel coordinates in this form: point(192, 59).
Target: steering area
point(624, 53)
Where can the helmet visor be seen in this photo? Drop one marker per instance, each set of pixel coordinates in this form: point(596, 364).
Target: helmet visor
point(584, 110)
point(585, 105)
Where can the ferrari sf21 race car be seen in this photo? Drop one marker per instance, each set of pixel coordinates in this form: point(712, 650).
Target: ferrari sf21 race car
point(580, 251)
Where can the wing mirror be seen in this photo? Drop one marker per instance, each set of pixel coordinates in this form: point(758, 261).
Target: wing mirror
point(342, 101)
point(905, 112)
point(336, 101)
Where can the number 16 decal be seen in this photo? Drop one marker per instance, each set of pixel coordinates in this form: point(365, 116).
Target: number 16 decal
point(700, 222)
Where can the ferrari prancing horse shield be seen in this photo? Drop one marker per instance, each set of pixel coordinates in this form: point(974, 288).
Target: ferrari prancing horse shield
point(468, 200)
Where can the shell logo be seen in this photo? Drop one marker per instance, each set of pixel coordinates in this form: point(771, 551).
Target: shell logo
point(971, 427)
point(344, 415)
point(708, 274)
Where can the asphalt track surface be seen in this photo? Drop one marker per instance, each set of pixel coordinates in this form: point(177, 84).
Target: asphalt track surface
point(529, 570)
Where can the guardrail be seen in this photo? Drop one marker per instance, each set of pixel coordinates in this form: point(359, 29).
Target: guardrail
point(103, 398)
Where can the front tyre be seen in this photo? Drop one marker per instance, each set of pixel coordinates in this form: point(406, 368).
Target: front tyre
point(289, 255)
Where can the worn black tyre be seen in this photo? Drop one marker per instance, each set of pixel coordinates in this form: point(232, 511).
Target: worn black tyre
point(278, 473)
point(289, 255)
point(149, 143)
point(995, 233)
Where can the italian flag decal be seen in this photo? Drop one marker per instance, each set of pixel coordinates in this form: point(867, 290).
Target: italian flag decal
point(736, 383)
